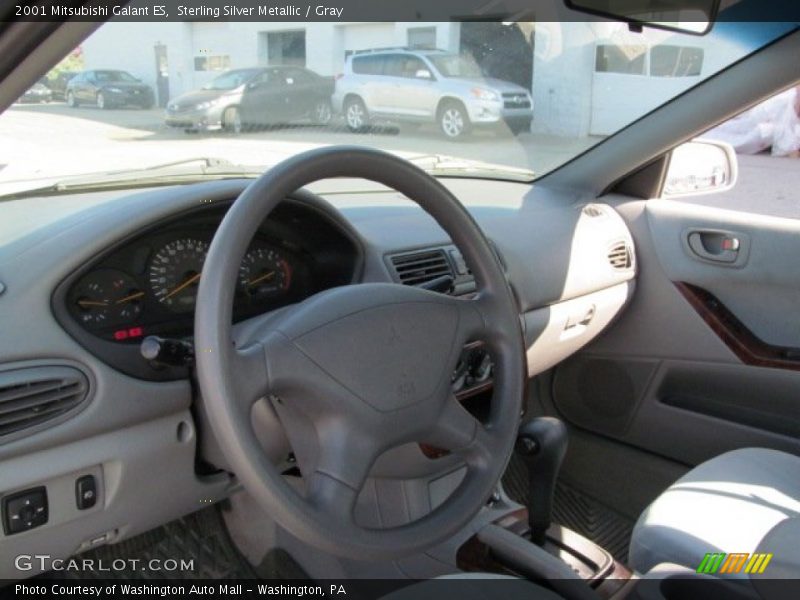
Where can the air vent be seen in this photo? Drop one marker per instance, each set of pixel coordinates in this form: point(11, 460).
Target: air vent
point(620, 256)
point(593, 210)
point(31, 397)
point(420, 267)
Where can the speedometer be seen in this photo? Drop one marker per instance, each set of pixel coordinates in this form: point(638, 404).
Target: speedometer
point(175, 273)
point(264, 273)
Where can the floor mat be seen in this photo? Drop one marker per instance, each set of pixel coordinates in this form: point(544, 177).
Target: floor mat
point(577, 511)
point(200, 537)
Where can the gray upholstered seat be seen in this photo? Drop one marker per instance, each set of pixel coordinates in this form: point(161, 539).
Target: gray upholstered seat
point(733, 503)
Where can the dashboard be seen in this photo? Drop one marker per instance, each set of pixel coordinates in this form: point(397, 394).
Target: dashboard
point(147, 285)
point(104, 270)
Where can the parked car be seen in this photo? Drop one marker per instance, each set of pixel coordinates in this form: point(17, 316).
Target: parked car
point(428, 86)
point(108, 88)
point(253, 97)
point(58, 84)
point(37, 93)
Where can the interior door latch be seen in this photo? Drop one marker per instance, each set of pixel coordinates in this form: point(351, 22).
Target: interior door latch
point(717, 246)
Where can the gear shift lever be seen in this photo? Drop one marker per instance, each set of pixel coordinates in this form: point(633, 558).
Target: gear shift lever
point(541, 443)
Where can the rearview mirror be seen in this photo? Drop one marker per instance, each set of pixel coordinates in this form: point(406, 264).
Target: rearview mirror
point(686, 16)
point(701, 167)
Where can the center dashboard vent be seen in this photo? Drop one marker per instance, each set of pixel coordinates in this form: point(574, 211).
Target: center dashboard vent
point(620, 256)
point(416, 268)
point(32, 396)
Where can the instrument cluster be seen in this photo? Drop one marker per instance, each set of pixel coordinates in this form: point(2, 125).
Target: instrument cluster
point(146, 283)
point(151, 287)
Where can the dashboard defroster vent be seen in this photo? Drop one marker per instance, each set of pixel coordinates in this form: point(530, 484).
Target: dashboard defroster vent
point(620, 256)
point(32, 396)
point(416, 268)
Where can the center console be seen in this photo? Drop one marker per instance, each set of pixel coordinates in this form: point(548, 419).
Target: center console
point(527, 544)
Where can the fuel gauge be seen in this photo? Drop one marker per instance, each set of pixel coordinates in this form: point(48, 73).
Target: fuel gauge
point(106, 297)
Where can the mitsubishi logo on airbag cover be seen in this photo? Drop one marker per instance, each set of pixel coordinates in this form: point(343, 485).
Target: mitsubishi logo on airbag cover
point(391, 356)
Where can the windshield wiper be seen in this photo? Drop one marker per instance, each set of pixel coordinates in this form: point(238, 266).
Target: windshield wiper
point(160, 174)
point(443, 165)
point(208, 161)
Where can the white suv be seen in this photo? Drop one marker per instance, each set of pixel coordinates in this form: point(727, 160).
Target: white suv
point(427, 86)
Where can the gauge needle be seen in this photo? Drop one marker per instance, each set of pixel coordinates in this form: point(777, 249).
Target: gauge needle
point(92, 303)
point(184, 285)
point(260, 279)
point(133, 296)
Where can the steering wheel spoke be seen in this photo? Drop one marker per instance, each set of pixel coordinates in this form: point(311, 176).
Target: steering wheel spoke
point(458, 431)
point(345, 457)
point(331, 497)
point(471, 323)
point(250, 381)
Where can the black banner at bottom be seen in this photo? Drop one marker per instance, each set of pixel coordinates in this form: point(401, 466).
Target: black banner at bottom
point(474, 587)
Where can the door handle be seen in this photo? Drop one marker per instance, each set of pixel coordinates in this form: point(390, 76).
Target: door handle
point(717, 246)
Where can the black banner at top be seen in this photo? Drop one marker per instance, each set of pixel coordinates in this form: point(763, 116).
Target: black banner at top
point(347, 10)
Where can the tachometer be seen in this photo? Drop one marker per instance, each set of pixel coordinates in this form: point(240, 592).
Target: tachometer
point(264, 273)
point(175, 273)
point(106, 297)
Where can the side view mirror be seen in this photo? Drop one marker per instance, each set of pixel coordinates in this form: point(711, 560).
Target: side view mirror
point(701, 167)
point(423, 74)
point(289, 81)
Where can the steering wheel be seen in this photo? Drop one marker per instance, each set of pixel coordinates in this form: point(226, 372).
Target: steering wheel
point(357, 370)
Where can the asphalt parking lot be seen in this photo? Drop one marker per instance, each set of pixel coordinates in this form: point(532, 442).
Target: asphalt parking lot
point(51, 141)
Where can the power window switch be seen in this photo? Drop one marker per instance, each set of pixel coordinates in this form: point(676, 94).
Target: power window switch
point(24, 510)
point(86, 492)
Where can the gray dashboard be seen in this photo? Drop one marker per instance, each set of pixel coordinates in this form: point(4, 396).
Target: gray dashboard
point(571, 265)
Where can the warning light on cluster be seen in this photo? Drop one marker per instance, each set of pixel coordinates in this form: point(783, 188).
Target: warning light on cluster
point(125, 334)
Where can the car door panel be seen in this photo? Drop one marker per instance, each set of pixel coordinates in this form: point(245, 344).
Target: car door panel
point(80, 89)
point(386, 95)
point(89, 89)
point(415, 96)
point(704, 360)
point(300, 91)
point(265, 99)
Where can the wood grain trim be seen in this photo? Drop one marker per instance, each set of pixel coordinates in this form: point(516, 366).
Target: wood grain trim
point(474, 556)
point(748, 347)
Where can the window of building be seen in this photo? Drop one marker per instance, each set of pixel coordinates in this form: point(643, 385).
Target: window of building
point(422, 37)
point(220, 62)
point(286, 48)
point(613, 58)
point(676, 61)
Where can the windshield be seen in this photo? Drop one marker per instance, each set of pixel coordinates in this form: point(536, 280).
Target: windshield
point(114, 77)
point(230, 80)
point(456, 66)
point(538, 94)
